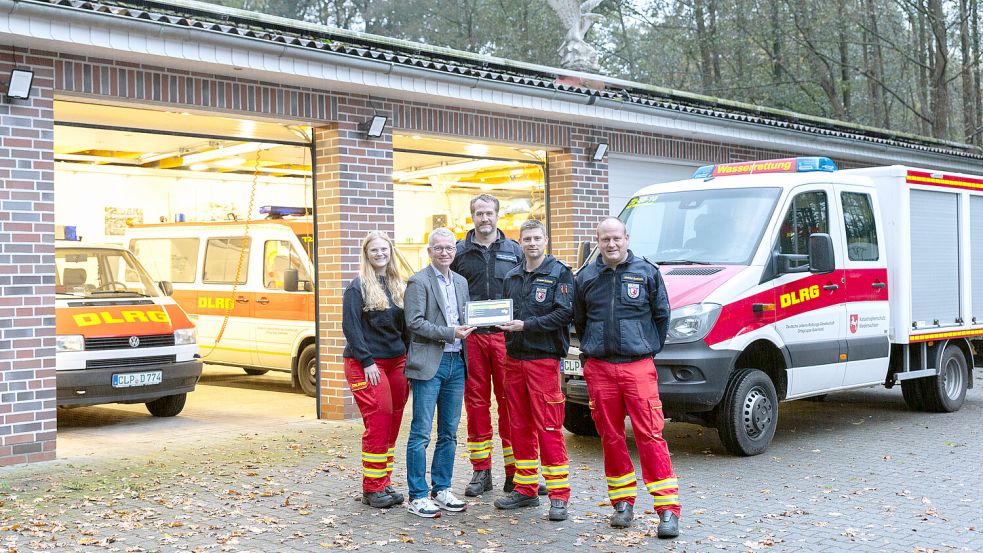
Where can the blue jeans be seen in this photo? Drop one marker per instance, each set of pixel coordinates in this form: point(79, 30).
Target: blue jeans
point(445, 393)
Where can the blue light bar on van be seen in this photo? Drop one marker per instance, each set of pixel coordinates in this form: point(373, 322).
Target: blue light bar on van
point(787, 165)
point(279, 211)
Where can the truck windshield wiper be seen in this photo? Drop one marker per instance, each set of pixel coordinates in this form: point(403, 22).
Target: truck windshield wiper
point(127, 292)
point(681, 262)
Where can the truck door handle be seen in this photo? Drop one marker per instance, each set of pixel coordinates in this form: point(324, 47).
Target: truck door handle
point(831, 287)
point(878, 285)
point(242, 299)
point(263, 301)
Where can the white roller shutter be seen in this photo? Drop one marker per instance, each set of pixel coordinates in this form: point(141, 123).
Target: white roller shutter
point(626, 175)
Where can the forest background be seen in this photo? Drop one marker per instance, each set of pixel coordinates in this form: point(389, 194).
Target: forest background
point(911, 66)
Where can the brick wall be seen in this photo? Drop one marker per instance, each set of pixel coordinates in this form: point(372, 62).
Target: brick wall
point(27, 355)
point(354, 195)
point(578, 194)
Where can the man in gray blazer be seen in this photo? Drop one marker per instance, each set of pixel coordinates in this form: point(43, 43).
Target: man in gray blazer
point(436, 368)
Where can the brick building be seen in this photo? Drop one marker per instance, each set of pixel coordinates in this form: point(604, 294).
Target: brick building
point(187, 70)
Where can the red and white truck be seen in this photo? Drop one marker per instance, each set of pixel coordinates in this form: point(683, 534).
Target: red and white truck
point(791, 279)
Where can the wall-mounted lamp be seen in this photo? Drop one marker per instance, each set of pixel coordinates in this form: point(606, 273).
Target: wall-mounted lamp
point(373, 127)
point(598, 151)
point(20, 84)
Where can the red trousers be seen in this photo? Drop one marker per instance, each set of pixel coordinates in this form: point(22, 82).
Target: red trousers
point(617, 388)
point(536, 416)
point(382, 412)
point(486, 367)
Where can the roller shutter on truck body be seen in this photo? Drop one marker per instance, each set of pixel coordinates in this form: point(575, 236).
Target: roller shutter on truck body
point(933, 220)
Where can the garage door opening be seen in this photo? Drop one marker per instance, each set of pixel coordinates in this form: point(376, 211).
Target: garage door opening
point(434, 180)
point(218, 208)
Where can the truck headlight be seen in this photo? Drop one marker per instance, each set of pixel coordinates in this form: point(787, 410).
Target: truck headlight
point(69, 342)
point(692, 322)
point(185, 337)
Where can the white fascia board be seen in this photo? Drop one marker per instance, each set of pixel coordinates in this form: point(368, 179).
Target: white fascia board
point(107, 36)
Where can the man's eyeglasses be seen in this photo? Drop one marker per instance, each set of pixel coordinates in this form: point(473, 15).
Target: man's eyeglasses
point(443, 249)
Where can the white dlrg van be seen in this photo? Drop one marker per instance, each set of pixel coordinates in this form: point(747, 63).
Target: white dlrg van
point(791, 279)
point(119, 337)
point(269, 320)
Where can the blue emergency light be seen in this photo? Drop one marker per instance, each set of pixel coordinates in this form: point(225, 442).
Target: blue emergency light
point(787, 165)
point(67, 233)
point(280, 211)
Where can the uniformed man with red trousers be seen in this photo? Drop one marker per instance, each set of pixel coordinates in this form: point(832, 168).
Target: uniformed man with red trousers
point(621, 314)
point(484, 257)
point(541, 289)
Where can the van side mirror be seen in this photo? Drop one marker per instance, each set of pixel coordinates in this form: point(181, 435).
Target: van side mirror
point(290, 280)
point(166, 287)
point(583, 251)
point(821, 257)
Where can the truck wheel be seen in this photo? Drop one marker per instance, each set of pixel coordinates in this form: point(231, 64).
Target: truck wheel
point(748, 415)
point(911, 390)
point(577, 419)
point(307, 370)
point(256, 372)
point(946, 392)
point(167, 406)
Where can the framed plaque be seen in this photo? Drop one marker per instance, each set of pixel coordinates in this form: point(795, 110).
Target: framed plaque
point(488, 312)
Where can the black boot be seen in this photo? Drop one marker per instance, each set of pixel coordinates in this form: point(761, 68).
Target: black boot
point(509, 483)
point(515, 500)
point(668, 525)
point(558, 509)
point(397, 497)
point(481, 482)
point(622, 515)
point(379, 500)
point(542, 489)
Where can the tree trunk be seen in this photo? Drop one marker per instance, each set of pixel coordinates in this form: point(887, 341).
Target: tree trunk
point(703, 42)
point(940, 66)
point(966, 72)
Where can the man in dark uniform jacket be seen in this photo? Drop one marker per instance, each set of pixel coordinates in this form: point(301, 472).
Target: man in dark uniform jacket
point(621, 314)
point(484, 257)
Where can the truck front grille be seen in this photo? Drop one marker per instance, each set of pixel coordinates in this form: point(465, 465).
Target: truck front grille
point(123, 342)
point(129, 361)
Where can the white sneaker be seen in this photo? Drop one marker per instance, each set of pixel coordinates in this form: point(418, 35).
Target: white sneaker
point(423, 507)
point(446, 500)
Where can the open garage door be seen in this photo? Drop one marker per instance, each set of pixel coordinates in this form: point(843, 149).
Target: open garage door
point(626, 175)
point(219, 209)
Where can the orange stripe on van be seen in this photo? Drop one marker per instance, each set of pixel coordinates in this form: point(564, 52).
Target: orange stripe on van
point(120, 320)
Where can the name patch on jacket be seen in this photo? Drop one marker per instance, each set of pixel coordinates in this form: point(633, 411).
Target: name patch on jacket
point(629, 277)
point(507, 257)
point(549, 281)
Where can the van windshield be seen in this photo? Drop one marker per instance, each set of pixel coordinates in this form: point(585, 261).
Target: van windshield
point(83, 272)
point(713, 227)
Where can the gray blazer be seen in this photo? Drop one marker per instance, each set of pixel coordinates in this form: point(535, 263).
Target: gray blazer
point(423, 304)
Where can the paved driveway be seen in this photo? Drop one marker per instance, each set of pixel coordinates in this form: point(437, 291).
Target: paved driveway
point(251, 470)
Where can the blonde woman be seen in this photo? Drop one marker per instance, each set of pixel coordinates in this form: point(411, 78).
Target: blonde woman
point(375, 354)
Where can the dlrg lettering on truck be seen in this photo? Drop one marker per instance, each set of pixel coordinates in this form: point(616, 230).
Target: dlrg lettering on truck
point(791, 279)
point(119, 339)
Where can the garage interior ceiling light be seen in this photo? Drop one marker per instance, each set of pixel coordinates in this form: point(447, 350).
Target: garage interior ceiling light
point(373, 127)
point(597, 153)
point(446, 168)
point(20, 84)
point(227, 152)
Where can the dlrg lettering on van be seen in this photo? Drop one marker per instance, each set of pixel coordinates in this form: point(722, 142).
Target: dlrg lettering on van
point(119, 338)
point(791, 279)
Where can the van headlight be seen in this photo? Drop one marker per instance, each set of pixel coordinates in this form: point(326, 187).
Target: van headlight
point(69, 342)
point(692, 322)
point(185, 337)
